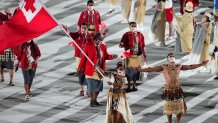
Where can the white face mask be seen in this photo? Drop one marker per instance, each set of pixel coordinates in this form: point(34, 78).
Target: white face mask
point(172, 60)
point(91, 8)
point(134, 29)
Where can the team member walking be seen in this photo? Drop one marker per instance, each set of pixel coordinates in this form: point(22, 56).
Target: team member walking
point(28, 55)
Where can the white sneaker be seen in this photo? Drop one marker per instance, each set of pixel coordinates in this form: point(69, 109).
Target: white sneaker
point(169, 38)
point(160, 44)
point(157, 44)
point(27, 98)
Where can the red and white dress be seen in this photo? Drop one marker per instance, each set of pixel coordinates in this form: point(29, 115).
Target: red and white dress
point(169, 10)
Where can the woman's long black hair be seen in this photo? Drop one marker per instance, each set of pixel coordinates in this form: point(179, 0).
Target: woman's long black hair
point(32, 48)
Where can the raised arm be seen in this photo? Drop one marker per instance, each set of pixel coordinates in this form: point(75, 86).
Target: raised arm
point(150, 69)
point(193, 66)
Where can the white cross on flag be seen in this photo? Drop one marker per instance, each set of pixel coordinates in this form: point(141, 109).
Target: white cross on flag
point(30, 10)
point(30, 21)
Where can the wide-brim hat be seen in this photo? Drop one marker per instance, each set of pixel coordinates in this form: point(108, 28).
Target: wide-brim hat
point(189, 6)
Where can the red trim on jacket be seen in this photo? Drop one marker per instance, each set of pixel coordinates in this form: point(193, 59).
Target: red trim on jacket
point(22, 57)
point(81, 40)
point(84, 18)
point(90, 50)
point(127, 42)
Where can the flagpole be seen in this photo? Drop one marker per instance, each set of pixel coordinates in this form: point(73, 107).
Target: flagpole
point(73, 40)
point(82, 51)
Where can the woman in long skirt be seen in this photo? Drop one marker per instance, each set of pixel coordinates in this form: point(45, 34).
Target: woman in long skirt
point(185, 30)
point(201, 44)
point(157, 33)
point(118, 110)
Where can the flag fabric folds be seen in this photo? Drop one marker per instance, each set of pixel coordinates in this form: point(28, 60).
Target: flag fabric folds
point(30, 21)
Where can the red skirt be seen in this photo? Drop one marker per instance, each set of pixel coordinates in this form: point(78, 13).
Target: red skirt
point(169, 14)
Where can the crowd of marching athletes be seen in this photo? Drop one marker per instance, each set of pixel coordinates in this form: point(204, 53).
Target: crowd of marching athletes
point(193, 38)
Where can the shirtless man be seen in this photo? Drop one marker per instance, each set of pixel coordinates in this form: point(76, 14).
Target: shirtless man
point(173, 95)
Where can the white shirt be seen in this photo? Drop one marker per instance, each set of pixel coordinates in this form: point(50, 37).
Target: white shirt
point(168, 4)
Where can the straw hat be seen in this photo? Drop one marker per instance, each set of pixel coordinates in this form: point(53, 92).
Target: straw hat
point(189, 6)
point(208, 15)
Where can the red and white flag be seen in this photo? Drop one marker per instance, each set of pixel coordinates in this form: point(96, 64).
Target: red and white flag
point(125, 54)
point(30, 21)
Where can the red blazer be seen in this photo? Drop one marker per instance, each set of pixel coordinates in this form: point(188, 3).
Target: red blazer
point(22, 57)
point(84, 17)
point(127, 42)
point(90, 50)
point(81, 40)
